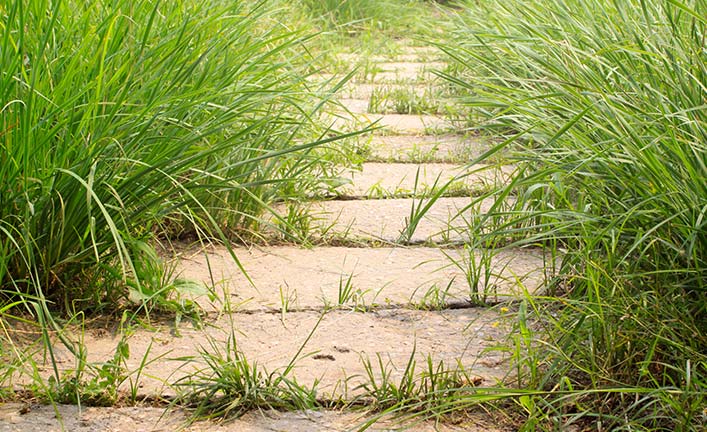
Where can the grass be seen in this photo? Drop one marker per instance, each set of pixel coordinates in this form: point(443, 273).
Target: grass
point(603, 103)
point(361, 17)
point(229, 386)
point(402, 100)
point(161, 137)
point(416, 389)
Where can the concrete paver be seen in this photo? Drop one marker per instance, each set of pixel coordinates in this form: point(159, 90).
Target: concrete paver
point(315, 278)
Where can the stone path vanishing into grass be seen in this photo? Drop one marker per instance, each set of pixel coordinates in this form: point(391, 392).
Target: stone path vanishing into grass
point(333, 310)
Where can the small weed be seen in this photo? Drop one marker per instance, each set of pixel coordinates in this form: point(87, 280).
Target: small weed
point(478, 266)
point(296, 225)
point(287, 299)
point(377, 191)
point(426, 390)
point(416, 154)
point(346, 290)
point(98, 384)
point(435, 298)
point(154, 286)
point(406, 100)
point(230, 385)
point(349, 296)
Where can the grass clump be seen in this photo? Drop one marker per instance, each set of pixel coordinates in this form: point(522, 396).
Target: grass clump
point(229, 386)
point(355, 16)
point(402, 100)
point(605, 104)
point(129, 124)
point(125, 122)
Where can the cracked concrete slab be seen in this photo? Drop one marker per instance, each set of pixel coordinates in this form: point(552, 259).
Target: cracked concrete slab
point(295, 278)
point(327, 349)
point(426, 148)
point(387, 219)
point(386, 180)
point(26, 417)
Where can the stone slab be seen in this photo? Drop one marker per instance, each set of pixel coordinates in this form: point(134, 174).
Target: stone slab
point(23, 417)
point(403, 124)
point(329, 350)
point(293, 278)
point(426, 148)
point(384, 220)
point(365, 90)
point(401, 72)
point(387, 180)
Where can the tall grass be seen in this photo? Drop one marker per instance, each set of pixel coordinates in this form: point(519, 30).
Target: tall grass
point(356, 17)
point(607, 99)
point(351, 14)
point(127, 120)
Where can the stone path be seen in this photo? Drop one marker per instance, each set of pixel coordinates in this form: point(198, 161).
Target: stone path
point(25, 418)
point(330, 310)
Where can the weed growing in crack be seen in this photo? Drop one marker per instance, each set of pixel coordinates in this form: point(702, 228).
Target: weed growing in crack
point(348, 296)
point(417, 155)
point(415, 390)
point(229, 385)
point(346, 290)
point(478, 266)
point(404, 100)
point(296, 224)
point(435, 298)
point(97, 384)
point(287, 299)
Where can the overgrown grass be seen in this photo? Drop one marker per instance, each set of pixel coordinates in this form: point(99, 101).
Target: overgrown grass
point(367, 27)
point(356, 16)
point(128, 121)
point(125, 123)
point(605, 103)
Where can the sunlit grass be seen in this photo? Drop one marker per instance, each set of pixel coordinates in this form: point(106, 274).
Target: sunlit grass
point(140, 120)
point(604, 103)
